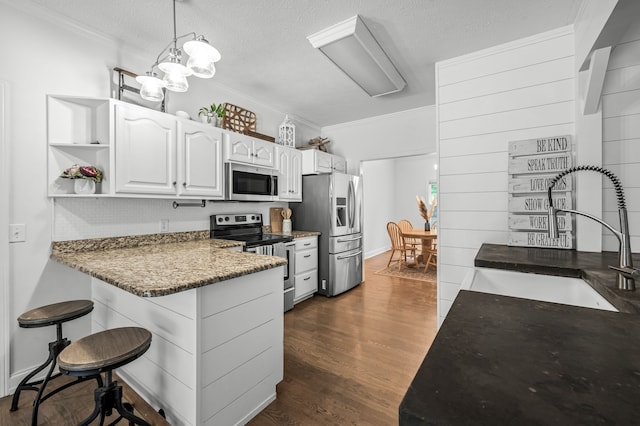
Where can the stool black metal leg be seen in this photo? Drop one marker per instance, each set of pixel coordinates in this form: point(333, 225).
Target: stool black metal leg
point(107, 398)
point(98, 396)
point(55, 348)
point(133, 419)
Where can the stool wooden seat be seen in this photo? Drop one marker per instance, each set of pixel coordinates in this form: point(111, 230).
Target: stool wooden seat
point(44, 316)
point(103, 352)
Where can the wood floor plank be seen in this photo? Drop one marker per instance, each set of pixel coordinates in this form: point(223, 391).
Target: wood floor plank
point(350, 359)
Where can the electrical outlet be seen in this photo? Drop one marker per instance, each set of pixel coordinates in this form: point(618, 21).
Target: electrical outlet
point(17, 232)
point(164, 225)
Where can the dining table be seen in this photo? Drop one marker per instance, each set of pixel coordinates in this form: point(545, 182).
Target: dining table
point(427, 238)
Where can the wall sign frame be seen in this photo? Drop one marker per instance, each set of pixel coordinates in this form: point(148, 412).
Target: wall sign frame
point(533, 163)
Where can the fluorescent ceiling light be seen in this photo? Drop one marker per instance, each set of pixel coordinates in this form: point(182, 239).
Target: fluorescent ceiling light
point(351, 46)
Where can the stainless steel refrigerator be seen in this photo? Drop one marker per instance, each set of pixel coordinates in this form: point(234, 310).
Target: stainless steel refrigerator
point(332, 205)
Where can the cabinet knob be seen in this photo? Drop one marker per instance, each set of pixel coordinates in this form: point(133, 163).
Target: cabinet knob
point(184, 184)
point(174, 183)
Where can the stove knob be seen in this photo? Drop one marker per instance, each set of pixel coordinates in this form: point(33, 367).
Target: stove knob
point(226, 218)
point(253, 218)
point(219, 219)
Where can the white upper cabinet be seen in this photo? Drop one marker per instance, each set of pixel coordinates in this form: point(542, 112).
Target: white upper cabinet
point(290, 176)
point(145, 150)
point(247, 150)
point(141, 152)
point(316, 162)
point(200, 167)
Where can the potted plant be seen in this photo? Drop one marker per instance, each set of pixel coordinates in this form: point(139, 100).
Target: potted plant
point(212, 113)
point(85, 177)
point(426, 214)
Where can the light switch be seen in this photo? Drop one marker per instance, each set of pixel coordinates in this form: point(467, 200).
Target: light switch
point(17, 232)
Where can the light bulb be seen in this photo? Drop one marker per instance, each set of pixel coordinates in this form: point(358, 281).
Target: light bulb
point(201, 67)
point(151, 89)
point(176, 81)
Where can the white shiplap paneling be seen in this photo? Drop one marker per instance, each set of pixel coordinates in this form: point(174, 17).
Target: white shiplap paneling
point(521, 90)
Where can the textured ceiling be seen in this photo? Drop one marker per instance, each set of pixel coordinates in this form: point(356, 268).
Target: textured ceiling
point(265, 52)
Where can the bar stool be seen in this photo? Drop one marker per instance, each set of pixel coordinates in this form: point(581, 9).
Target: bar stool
point(103, 352)
point(54, 314)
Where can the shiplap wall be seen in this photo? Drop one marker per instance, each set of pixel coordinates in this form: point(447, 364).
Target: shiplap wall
point(520, 90)
point(621, 135)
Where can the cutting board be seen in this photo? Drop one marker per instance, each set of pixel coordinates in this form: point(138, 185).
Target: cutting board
point(275, 213)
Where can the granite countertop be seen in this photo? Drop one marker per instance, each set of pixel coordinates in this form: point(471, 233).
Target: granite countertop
point(591, 267)
point(161, 264)
point(504, 360)
point(303, 234)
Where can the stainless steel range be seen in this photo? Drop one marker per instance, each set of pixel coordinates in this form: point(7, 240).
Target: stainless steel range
point(247, 227)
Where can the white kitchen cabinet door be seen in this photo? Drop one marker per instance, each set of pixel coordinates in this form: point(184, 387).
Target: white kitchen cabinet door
point(145, 147)
point(338, 164)
point(264, 153)
point(295, 176)
point(244, 149)
point(239, 149)
point(200, 167)
point(290, 161)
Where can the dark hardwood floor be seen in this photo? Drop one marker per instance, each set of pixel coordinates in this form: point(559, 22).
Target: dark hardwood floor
point(348, 360)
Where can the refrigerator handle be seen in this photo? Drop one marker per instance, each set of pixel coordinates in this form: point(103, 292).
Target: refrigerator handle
point(351, 205)
point(350, 239)
point(350, 255)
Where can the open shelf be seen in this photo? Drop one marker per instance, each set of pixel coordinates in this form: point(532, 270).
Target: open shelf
point(74, 125)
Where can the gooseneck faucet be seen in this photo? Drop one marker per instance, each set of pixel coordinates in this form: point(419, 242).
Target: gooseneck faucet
point(627, 274)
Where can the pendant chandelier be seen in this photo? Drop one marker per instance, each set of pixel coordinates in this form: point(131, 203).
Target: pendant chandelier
point(202, 57)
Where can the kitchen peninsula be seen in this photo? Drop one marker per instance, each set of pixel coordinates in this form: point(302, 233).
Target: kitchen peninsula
point(216, 317)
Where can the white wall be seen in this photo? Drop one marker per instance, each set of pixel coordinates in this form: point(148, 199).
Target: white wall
point(204, 92)
point(66, 62)
point(400, 134)
point(412, 177)
point(520, 90)
point(621, 134)
point(78, 218)
point(378, 189)
point(70, 60)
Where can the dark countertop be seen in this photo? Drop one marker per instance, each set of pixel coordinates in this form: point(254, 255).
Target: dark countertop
point(503, 360)
point(591, 267)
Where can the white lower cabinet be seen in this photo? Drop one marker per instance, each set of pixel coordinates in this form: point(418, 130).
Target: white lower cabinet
point(216, 352)
point(306, 268)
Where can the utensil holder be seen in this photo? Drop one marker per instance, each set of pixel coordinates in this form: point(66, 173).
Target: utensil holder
point(286, 226)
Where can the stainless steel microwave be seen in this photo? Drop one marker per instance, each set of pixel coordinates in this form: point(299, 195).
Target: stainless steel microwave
point(250, 183)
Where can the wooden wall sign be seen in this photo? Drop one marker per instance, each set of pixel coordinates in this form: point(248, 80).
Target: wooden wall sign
point(533, 163)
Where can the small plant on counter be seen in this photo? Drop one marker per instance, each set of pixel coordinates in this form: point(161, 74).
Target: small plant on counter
point(83, 172)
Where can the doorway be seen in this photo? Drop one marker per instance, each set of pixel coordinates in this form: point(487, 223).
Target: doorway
point(390, 189)
point(4, 242)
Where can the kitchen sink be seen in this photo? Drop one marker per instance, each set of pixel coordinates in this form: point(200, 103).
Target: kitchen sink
point(545, 288)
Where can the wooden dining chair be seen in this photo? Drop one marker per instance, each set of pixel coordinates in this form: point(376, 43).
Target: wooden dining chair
point(405, 225)
point(431, 256)
point(398, 244)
